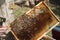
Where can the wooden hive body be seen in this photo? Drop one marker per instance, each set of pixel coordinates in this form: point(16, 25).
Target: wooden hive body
point(34, 24)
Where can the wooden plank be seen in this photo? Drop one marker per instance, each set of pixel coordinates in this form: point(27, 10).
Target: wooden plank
point(35, 23)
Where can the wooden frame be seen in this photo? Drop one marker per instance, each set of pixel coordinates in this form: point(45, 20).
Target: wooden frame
point(43, 32)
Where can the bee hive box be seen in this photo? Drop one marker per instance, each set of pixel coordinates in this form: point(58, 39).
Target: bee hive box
point(35, 23)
